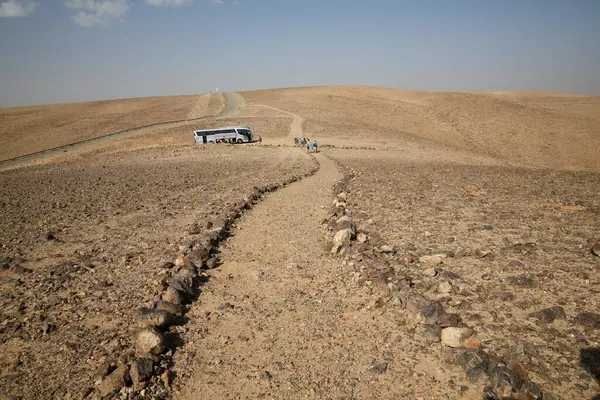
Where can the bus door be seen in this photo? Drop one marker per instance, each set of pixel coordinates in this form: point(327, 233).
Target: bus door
point(204, 139)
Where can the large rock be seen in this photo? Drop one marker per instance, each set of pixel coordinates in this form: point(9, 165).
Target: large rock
point(454, 337)
point(196, 258)
point(342, 237)
point(115, 381)
point(173, 295)
point(150, 340)
point(175, 309)
point(548, 315)
point(386, 249)
point(141, 370)
point(159, 318)
point(183, 284)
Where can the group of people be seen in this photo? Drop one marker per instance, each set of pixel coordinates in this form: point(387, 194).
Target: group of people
point(311, 146)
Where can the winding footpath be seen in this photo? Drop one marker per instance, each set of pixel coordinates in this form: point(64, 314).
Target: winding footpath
point(278, 318)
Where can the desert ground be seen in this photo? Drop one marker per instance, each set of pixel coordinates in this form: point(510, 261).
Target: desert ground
point(470, 268)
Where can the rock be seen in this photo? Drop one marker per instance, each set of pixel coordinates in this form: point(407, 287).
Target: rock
point(150, 340)
point(345, 222)
point(185, 285)
point(454, 337)
point(342, 237)
point(596, 249)
point(504, 382)
point(472, 343)
point(175, 309)
point(159, 318)
point(444, 287)
point(430, 260)
point(115, 381)
point(180, 260)
point(433, 313)
point(343, 196)
point(196, 258)
point(49, 236)
point(225, 306)
point(428, 333)
point(212, 263)
point(266, 376)
point(589, 319)
point(548, 315)
point(173, 295)
point(430, 272)
point(194, 229)
point(336, 248)
point(521, 280)
point(141, 370)
point(531, 391)
point(362, 237)
point(379, 368)
point(386, 249)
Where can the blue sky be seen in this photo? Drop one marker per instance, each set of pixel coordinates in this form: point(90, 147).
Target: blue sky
point(77, 50)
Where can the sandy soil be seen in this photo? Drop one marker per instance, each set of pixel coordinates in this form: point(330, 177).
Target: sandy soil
point(552, 131)
point(25, 130)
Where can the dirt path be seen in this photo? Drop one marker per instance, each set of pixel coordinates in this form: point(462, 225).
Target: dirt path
point(279, 320)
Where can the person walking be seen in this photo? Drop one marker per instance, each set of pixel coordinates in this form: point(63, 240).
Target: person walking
point(260, 140)
point(308, 145)
point(315, 146)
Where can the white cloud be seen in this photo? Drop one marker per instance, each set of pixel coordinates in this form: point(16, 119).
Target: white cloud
point(97, 12)
point(159, 3)
point(17, 8)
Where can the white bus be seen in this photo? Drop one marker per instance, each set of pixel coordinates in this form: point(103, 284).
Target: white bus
point(231, 134)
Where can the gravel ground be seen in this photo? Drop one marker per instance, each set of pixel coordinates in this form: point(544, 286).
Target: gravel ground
point(83, 243)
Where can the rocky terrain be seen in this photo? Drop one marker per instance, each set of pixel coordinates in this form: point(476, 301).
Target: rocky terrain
point(84, 245)
point(510, 251)
point(441, 246)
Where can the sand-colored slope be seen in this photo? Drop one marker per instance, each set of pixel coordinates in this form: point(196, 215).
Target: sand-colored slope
point(25, 130)
point(549, 130)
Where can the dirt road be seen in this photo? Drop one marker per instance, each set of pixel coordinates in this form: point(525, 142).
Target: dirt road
point(197, 113)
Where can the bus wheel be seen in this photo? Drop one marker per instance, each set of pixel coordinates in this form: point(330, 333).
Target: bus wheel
point(211, 142)
point(240, 141)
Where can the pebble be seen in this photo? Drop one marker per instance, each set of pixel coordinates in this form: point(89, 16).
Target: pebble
point(386, 249)
point(430, 272)
point(596, 249)
point(362, 237)
point(430, 260)
point(444, 287)
point(548, 315)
